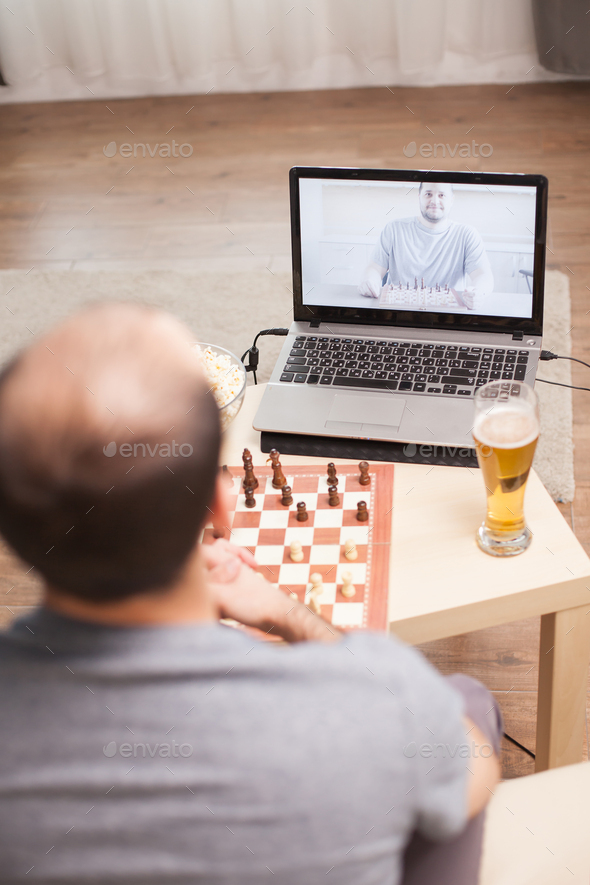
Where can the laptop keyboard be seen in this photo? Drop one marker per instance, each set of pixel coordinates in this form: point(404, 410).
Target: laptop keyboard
point(400, 365)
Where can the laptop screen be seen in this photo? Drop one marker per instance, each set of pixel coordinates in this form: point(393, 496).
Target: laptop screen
point(433, 248)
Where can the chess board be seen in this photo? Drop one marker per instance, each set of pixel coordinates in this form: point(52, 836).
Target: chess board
point(422, 298)
point(268, 529)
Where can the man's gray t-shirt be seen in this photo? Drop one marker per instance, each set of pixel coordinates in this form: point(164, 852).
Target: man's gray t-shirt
point(194, 753)
point(410, 250)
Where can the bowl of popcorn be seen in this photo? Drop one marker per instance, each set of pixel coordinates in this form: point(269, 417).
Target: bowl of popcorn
point(226, 376)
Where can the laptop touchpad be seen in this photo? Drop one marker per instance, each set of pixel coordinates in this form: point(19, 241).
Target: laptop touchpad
point(357, 410)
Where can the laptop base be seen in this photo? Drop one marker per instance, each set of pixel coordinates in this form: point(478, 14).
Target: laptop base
point(367, 450)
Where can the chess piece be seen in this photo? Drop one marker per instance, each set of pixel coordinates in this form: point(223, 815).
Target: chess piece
point(422, 281)
point(317, 588)
point(249, 492)
point(250, 481)
point(415, 282)
point(364, 478)
point(362, 514)
point(296, 551)
point(286, 496)
point(332, 478)
point(302, 514)
point(350, 551)
point(348, 588)
point(227, 476)
point(334, 499)
point(245, 455)
point(278, 477)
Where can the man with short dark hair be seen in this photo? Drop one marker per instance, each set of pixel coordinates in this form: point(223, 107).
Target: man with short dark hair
point(143, 742)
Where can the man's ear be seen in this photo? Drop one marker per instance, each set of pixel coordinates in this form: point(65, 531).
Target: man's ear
point(220, 507)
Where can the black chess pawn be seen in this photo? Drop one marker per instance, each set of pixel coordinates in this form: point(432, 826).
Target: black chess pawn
point(334, 499)
point(364, 478)
point(249, 492)
point(286, 496)
point(362, 514)
point(332, 478)
point(250, 481)
point(302, 514)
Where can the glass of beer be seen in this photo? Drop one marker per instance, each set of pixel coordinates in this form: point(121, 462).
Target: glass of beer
point(506, 430)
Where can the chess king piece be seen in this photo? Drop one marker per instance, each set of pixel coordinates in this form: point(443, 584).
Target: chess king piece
point(296, 551)
point(364, 478)
point(286, 496)
point(350, 551)
point(332, 478)
point(348, 588)
point(250, 500)
point(317, 588)
point(334, 499)
point(250, 481)
point(278, 477)
point(362, 514)
point(302, 514)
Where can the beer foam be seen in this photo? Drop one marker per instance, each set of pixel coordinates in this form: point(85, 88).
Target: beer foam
point(506, 428)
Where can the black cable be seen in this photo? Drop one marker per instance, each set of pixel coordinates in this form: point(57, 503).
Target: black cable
point(253, 353)
point(559, 384)
point(548, 355)
point(519, 745)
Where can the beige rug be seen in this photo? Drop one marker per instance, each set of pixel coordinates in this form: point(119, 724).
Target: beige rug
point(228, 309)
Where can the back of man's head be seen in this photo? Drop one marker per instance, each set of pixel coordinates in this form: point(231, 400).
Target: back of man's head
point(109, 441)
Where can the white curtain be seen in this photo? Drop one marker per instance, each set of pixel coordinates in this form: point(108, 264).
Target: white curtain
point(65, 49)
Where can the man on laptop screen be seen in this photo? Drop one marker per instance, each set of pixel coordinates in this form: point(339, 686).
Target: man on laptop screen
point(432, 249)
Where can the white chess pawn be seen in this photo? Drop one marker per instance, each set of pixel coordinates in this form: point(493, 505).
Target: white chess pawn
point(350, 551)
point(348, 588)
point(296, 551)
point(317, 588)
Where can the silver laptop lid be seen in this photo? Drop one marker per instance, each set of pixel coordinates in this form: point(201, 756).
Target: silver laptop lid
point(434, 250)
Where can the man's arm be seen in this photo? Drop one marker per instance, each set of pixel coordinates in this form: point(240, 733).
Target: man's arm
point(485, 772)
point(370, 285)
point(243, 594)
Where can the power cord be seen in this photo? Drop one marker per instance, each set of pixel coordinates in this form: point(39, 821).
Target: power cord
point(548, 355)
point(519, 745)
point(253, 353)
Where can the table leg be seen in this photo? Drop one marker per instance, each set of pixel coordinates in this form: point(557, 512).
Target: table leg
point(564, 655)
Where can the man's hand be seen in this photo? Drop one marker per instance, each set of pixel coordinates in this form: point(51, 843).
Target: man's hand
point(467, 298)
point(370, 288)
point(244, 595)
point(370, 285)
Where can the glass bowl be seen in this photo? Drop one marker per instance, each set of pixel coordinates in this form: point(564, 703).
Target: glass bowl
point(227, 377)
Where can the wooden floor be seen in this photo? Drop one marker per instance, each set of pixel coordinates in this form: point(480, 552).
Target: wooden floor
point(65, 205)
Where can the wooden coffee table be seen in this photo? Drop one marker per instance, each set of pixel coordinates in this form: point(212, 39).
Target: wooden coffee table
point(442, 585)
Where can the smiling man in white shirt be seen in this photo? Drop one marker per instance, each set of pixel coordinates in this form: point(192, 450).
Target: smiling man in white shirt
point(433, 247)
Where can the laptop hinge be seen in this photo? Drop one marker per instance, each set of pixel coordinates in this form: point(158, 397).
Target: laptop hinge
point(517, 336)
point(314, 324)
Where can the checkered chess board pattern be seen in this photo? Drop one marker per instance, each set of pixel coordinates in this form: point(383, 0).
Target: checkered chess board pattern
point(268, 529)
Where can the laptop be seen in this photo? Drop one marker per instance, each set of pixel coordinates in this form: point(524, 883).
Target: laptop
point(411, 289)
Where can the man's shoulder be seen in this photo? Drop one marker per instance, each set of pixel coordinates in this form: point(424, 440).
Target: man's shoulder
point(465, 231)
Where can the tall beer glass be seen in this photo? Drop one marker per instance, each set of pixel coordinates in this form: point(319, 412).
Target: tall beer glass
point(506, 430)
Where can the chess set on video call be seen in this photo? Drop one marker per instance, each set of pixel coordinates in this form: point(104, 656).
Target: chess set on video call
point(321, 534)
point(419, 296)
